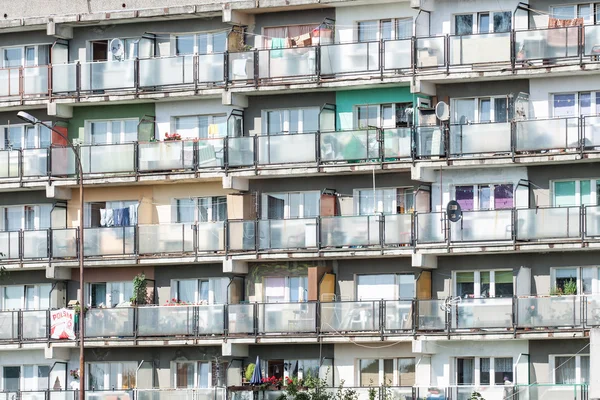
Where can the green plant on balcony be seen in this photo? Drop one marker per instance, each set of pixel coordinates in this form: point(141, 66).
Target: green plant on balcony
point(372, 390)
point(570, 287)
point(476, 396)
point(140, 290)
point(249, 371)
point(172, 137)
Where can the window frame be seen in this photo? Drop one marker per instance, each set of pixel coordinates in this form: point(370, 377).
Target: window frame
point(41, 212)
point(196, 364)
point(108, 372)
point(477, 109)
point(554, 368)
point(38, 129)
point(38, 298)
point(211, 121)
point(23, 49)
point(593, 191)
point(476, 195)
point(579, 276)
point(214, 203)
point(397, 293)
point(477, 282)
point(401, 191)
point(302, 290)
point(39, 381)
point(210, 43)
point(87, 210)
point(286, 120)
point(594, 102)
point(122, 290)
point(476, 19)
point(111, 137)
point(287, 204)
point(477, 370)
point(396, 380)
point(212, 282)
point(395, 23)
point(594, 9)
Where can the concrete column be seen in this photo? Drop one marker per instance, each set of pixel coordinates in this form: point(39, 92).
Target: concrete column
point(594, 388)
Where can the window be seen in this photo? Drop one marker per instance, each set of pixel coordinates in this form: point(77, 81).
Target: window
point(301, 369)
point(376, 372)
point(477, 284)
point(570, 369)
point(110, 213)
point(290, 289)
point(26, 297)
point(480, 109)
point(100, 51)
point(201, 43)
point(200, 291)
point(386, 201)
point(576, 192)
point(109, 294)
point(393, 115)
point(200, 126)
point(111, 132)
point(291, 205)
point(195, 374)
point(112, 375)
point(201, 209)
point(590, 12)
point(25, 377)
point(484, 370)
point(575, 104)
point(25, 137)
point(291, 32)
point(26, 56)
point(587, 279)
point(385, 29)
point(484, 197)
point(385, 286)
point(29, 217)
point(296, 120)
point(484, 22)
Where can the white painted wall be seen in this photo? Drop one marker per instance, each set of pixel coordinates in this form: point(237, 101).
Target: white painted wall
point(166, 111)
point(442, 193)
point(347, 17)
point(442, 19)
point(540, 91)
point(442, 362)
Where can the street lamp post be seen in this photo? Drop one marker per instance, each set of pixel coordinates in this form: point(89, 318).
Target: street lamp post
point(33, 120)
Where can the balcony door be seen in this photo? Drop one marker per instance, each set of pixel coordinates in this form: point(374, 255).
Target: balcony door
point(192, 374)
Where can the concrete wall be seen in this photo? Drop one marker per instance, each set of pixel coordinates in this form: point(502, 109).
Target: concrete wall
point(442, 189)
point(540, 350)
point(346, 18)
point(541, 89)
point(541, 194)
point(24, 198)
point(252, 114)
point(10, 118)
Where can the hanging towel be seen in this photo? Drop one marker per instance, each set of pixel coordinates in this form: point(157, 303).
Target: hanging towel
point(239, 69)
point(213, 131)
point(126, 220)
point(102, 217)
point(118, 214)
point(133, 215)
point(277, 43)
point(110, 217)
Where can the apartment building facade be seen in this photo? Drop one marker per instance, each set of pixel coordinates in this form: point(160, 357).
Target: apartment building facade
point(278, 175)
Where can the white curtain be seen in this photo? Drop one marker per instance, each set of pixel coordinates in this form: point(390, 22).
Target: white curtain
point(376, 287)
point(186, 290)
point(565, 368)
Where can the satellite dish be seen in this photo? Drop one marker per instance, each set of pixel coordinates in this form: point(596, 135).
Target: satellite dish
point(442, 111)
point(117, 49)
point(453, 211)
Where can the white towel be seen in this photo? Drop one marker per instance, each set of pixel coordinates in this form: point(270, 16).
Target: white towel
point(110, 219)
point(133, 217)
point(102, 217)
point(239, 69)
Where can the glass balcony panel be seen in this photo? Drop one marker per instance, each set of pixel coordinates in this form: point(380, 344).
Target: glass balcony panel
point(211, 68)
point(480, 49)
point(287, 63)
point(35, 244)
point(397, 54)
point(287, 234)
point(546, 312)
point(108, 395)
point(108, 159)
point(35, 80)
point(431, 392)
point(347, 58)
point(211, 236)
point(429, 52)
point(592, 41)
point(546, 44)
point(211, 319)
point(592, 311)
point(397, 143)
point(429, 141)
point(109, 322)
point(491, 225)
point(350, 231)
point(432, 315)
point(351, 146)
point(480, 138)
point(33, 395)
point(242, 235)
point(241, 66)
point(287, 149)
point(352, 316)
point(62, 161)
point(240, 318)
point(548, 223)
point(547, 134)
point(167, 394)
point(240, 151)
point(64, 78)
point(166, 238)
point(9, 329)
point(211, 153)
point(35, 162)
point(108, 75)
point(489, 313)
point(35, 324)
point(592, 221)
point(287, 317)
point(552, 392)
point(168, 71)
point(398, 315)
point(166, 156)
point(360, 393)
point(398, 229)
point(112, 241)
point(166, 321)
point(9, 245)
point(431, 227)
point(496, 392)
point(9, 164)
point(64, 243)
point(9, 82)
point(591, 129)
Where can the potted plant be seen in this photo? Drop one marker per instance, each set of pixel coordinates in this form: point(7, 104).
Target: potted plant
point(172, 137)
point(248, 373)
